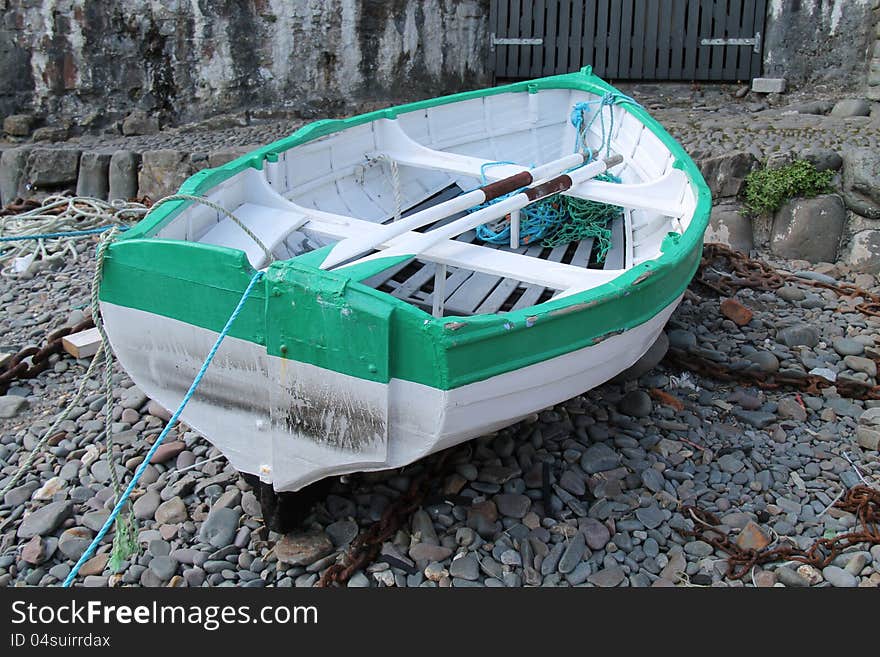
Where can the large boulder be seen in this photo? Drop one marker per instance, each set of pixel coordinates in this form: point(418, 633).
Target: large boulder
point(140, 123)
point(123, 175)
point(51, 133)
point(861, 182)
point(162, 173)
point(809, 228)
point(863, 253)
point(728, 226)
point(726, 174)
point(93, 177)
point(49, 168)
point(13, 163)
point(18, 125)
point(851, 107)
point(823, 159)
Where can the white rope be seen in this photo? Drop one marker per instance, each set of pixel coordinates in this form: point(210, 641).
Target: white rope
point(60, 214)
point(218, 208)
point(395, 185)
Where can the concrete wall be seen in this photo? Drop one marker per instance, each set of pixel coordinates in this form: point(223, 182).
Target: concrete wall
point(819, 40)
point(187, 59)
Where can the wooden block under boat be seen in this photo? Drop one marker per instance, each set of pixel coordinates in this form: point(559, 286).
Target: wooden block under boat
point(83, 344)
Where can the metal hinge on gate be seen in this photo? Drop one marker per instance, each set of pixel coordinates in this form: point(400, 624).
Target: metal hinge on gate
point(504, 41)
point(755, 42)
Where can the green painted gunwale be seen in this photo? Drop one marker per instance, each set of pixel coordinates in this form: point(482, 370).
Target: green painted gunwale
point(383, 337)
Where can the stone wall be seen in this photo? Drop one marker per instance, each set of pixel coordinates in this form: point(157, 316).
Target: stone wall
point(826, 41)
point(97, 60)
point(874, 62)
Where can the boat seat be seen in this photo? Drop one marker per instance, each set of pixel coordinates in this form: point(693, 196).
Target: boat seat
point(662, 195)
point(468, 292)
point(270, 225)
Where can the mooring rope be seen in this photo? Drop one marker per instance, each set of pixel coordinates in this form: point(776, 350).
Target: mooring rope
point(124, 540)
point(219, 208)
point(120, 503)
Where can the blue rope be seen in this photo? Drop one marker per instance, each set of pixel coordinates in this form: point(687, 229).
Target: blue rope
point(544, 218)
point(489, 165)
point(143, 466)
point(577, 118)
point(70, 233)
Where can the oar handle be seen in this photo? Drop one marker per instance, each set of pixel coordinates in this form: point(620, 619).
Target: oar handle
point(506, 185)
point(525, 178)
point(568, 180)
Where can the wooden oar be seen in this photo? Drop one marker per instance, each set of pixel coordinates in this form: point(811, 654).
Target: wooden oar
point(354, 246)
point(422, 242)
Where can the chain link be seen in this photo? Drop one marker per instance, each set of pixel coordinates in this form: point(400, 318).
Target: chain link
point(31, 361)
point(861, 501)
point(746, 272)
point(755, 274)
point(366, 547)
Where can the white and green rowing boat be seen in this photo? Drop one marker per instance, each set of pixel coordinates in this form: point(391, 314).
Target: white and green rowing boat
point(384, 328)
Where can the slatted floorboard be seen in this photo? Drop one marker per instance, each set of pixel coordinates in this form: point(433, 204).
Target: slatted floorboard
point(468, 293)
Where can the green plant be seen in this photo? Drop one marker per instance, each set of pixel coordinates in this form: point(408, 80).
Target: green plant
point(767, 189)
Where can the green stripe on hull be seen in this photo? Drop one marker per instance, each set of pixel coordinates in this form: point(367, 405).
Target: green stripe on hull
point(200, 284)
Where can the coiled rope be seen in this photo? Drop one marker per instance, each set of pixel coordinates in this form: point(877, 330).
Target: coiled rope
point(59, 221)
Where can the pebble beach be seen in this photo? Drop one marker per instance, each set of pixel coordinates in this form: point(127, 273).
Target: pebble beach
point(621, 463)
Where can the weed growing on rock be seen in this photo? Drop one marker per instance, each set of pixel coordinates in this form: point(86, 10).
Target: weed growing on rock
point(767, 189)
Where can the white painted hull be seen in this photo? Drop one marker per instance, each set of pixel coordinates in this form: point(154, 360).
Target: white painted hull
point(246, 401)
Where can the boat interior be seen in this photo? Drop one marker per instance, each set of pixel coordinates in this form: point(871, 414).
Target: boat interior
point(352, 182)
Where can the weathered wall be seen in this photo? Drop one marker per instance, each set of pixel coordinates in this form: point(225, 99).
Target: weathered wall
point(187, 59)
point(819, 40)
point(97, 60)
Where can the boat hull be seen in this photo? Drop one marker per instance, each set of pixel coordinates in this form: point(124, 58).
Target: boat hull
point(248, 401)
point(322, 372)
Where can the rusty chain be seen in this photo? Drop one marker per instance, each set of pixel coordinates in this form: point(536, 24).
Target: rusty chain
point(746, 272)
point(19, 205)
point(366, 547)
point(756, 274)
point(862, 501)
point(809, 383)
point(31, 361)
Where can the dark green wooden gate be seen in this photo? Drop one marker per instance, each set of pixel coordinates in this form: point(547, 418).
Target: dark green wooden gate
point(629, 39)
